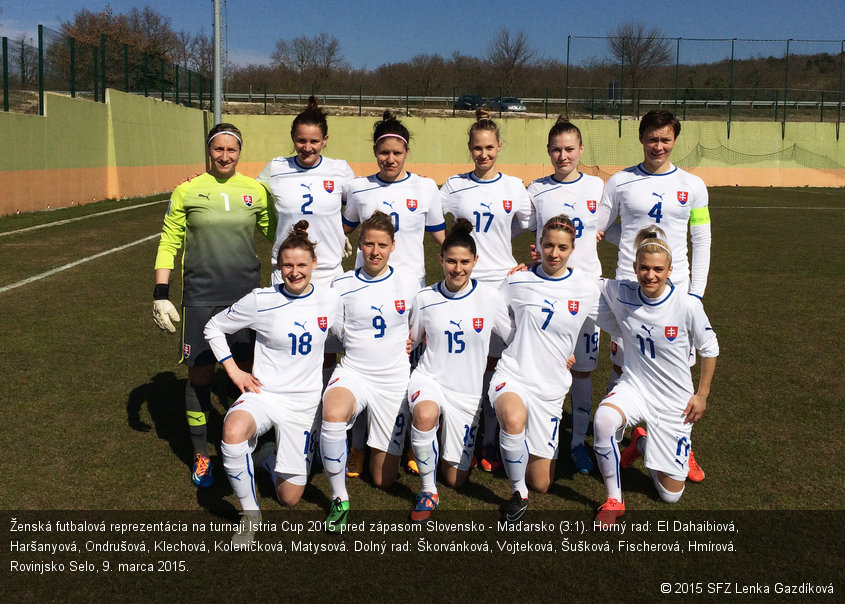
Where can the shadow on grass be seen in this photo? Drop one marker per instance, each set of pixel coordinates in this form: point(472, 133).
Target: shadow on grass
point(164, 397)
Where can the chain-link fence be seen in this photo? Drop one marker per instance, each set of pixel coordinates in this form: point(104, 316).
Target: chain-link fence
point(58, 63)
point(725, 79)
point(599, 77)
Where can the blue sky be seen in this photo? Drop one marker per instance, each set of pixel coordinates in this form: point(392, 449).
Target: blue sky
point(373, 33)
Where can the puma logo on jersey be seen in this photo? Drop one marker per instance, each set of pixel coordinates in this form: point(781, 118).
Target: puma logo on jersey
point(552, 304)
point(302, 184)
point(570, 205)
point(206, 195)
point(458, 324)
point(659, 195)
point(302, 325)
point(647, 329)
point(388, 204)
point(486, 205)
point(377, 308)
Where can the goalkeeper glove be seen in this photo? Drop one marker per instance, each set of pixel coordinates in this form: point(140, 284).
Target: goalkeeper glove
point(164, 313)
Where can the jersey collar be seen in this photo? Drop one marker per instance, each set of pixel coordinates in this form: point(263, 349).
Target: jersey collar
point(474, 178)
point(290, 296)
point(367, 279)
point(649, 301)
point(538, 270)
point(301, 167)
point(441, 288)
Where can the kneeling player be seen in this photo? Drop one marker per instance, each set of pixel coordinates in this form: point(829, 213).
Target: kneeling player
point(657, 323)
point(373, 373)
point(455, 318)
point(291, 321)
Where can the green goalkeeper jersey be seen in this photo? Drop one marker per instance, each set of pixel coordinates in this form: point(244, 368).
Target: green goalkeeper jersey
point(215, 220)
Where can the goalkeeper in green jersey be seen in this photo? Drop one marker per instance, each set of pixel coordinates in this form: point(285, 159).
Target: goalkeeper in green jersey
point(213, 217)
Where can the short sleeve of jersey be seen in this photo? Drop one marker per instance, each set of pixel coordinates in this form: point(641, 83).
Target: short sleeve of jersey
point(704, 338)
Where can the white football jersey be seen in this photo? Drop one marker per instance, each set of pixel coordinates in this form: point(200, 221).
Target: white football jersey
point(642, 199)
point(313, 194)
point(492, 206)
point(290, 333)
point(579, 200)
point(657, 335)
point(375, 324)
point(548, 313)
point(457, 330)
point(414, 205)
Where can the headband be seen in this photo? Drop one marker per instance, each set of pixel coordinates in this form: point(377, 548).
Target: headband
point(211, 138)
point(564, 225)
point(399, 136)
point(660, 245)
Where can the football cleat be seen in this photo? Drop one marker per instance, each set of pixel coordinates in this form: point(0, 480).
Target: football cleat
point(337, 516)
point(610, 510)
point(490, 460)
point(581, 459)
point(516, 508)
point(426, 502)
point(696, 474)
point(250, 520)
point(411, 462)
point(201, 471)
point(355, 462)
point(630, 454)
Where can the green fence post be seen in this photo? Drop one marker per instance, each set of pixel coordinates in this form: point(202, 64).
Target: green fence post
point(677, 67)
point(360, 100)
point(94, 78)
point(126, 68)
point(201, 87)
point(176, 77)
point(821, 108)
point(103, 66)
point(72, 44)
point(500, 101)
point(841, 72)
point(566, 83)
point(408, 101)
point(731, 90)
point(6, 74)
point(777, 105)
point(621, 93)
point(454, 100)
point(161, 77)
point(189, 87)
point(592, 103)
point(785, 88)
point(40, 70)
point(265, 98)
point(547, 103)
point(146, 74)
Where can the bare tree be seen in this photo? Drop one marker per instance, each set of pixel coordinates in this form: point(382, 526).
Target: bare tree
point(312, 59)
point(428, 73)
point(640, 49)
point(509, 54)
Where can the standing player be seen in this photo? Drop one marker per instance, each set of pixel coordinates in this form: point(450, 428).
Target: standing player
point(291, 321)
point(214, 216)
point(456, 318)
point(550, 303)
point(658, 192)
point(373, 373)
point(657, 322)
point(413, 203)
point(575, 194)
point(497, 206)
point(309, 186)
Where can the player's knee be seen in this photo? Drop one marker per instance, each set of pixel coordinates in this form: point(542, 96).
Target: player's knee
point(670, 492)
point(236, 429)
point(539, 484)
point(605, 423)
point(288, 497)
point(426, 414)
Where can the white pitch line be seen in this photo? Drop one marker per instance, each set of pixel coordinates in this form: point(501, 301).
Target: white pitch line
point(6, 288)
point(69, 220)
